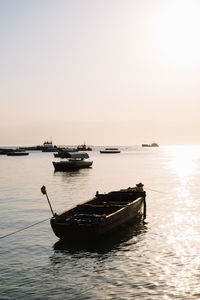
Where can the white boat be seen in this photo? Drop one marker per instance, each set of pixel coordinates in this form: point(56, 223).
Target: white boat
point(74, 161)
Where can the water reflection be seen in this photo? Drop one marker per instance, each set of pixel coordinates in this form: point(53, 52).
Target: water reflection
point(72, 173)
point(183, 161)
point(110, 243)
point(73, 176)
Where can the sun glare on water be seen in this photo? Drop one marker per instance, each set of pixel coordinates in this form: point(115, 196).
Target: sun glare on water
point(180, 223)
point(182, 162)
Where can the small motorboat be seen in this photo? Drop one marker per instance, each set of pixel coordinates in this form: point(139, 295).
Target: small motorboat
point(74, 161)
point(17, 153)
point(4, 151)
point(110, 150)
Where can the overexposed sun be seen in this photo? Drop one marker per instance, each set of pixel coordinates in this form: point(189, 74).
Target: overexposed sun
point(176, 32)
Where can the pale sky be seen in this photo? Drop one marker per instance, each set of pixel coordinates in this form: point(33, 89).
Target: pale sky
point(108, 72)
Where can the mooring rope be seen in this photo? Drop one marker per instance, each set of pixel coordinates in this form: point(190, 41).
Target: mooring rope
point(22, 229)
point(19, 230)
point(146, 188)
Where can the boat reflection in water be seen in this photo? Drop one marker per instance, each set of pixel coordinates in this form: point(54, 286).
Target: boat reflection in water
point(123, 237)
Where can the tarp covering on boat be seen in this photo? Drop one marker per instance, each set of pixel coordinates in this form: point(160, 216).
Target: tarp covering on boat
point(77, 155)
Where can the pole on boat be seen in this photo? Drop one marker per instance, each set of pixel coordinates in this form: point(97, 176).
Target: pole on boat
point(44, 192)
point(140, 189)
point(145, 206)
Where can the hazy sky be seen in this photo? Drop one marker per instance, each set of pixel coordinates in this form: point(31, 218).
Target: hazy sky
point(108, 72)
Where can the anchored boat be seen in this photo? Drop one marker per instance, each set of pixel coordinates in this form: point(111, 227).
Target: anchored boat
point(74, 161)
point(101, 215)
point(150, 145)
point(83, 148)
point(110, 150)
point(17, 153)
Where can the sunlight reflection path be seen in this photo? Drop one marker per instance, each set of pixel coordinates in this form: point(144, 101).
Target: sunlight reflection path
point(183, 161)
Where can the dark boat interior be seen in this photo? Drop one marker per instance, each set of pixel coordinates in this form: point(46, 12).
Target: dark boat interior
point(99, 207)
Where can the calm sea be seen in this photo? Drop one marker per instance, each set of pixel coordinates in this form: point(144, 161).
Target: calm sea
point(156, 260)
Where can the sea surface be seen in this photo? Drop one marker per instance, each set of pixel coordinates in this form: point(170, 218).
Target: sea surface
point(156, 260)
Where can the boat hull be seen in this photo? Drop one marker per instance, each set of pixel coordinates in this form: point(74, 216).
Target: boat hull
point(71, 165)
point(109, 151)
point(107, 217)
point(81, 232)
point(17, 153)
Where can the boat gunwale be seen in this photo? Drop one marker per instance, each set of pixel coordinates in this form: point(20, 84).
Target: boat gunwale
point(59, 216)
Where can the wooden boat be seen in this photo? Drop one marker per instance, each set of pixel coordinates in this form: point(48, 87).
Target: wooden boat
point(110, 150)
point(75, 160)
point(100, 215)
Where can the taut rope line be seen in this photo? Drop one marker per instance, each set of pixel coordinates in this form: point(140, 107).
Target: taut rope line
point(22, 229)
point(6, 235)
point(156, 191)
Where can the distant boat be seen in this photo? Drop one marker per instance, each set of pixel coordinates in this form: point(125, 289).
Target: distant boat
point(17, 153)
point(150, 145)
point(75, 160)
point(31, 148)
point(49, 147)
point(45, 147)
point(101, 215)
point(4, 151)
point(110, 150)
point(83, 148)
